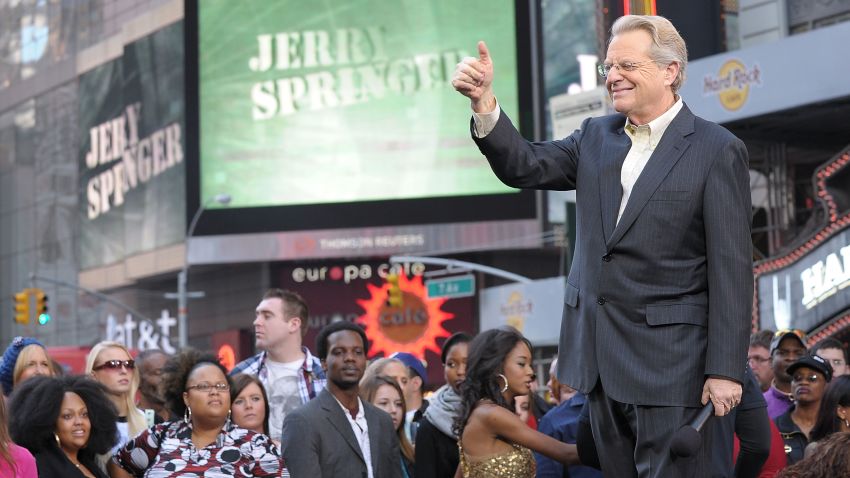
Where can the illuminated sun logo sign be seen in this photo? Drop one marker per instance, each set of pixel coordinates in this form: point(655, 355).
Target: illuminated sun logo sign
point(413, 327)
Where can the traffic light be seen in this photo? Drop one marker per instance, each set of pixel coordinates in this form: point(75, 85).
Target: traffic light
point(41, 307)
point(22, 307)
point(394, 294)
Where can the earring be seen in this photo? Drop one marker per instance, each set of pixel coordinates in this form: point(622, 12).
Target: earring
point(227, 422)
point(58, 443)
point(187, 415)
point(847, 423)
point(505, 388)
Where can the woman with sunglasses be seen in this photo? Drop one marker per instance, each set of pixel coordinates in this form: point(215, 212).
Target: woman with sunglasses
point(834, 413)
point(204, 442)
point(809, 378)
point(65, 422)
point(110, 364)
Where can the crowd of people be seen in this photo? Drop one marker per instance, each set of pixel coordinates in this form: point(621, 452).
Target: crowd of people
point(340, 415)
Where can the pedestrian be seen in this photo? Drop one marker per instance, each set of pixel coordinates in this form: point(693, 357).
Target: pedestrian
point(205, 442)
point(493, 439)
point(250, 404)
point(15, 461)
point(110, 364)
point(833, 414)
point(25, 357)
point(291, 375)
point(385, 393)
point(338, 434)
point(809, 378)
point(436, 438)
point(65, 422)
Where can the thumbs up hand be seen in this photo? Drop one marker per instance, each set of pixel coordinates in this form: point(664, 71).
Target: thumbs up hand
point(473, 78)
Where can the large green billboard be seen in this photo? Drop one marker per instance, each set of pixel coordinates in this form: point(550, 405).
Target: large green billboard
point(334, 102)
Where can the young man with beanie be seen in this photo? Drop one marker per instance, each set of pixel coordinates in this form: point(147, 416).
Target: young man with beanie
point(413, 399)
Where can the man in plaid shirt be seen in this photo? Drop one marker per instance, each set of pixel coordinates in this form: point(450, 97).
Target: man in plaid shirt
point(291, 375)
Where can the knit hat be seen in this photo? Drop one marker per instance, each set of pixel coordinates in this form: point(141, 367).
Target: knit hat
point(414, 363)
point(10, 358)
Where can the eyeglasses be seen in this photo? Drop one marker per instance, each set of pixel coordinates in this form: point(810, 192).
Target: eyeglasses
point(205, 387)
point(116, 365)
point(810, 378)
point(604, 69)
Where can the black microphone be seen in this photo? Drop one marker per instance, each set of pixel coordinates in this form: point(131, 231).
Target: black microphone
point(687, 440)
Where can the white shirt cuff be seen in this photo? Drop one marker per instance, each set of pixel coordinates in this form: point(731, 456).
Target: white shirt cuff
point(485, 122)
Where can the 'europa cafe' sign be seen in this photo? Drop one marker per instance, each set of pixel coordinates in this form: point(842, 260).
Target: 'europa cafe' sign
point(810, 291)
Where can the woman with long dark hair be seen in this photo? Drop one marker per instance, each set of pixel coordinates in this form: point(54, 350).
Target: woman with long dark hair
point(493, 440)
point(833, 414)
point(65, 422)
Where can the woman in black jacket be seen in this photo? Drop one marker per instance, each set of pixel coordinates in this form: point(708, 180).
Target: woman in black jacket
point(65, 422)
point(436, 440)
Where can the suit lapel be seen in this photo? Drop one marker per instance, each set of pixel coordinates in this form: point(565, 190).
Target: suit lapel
point(614, 150)
point(671, 148)
point(336, 416)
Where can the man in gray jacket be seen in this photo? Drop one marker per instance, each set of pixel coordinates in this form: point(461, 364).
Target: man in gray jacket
point(337, 434)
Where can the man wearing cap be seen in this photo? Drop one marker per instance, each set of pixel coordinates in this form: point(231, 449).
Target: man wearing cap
point(416, 404)
point(787, 346)
point(809, 377)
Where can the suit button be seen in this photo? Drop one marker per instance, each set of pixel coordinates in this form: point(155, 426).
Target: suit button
point(600, 300)
point(607, 257)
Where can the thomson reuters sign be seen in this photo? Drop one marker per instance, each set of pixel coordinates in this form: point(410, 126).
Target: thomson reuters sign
point(732, 83)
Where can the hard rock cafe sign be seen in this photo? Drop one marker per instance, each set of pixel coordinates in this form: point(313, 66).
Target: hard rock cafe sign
point(732, 83)
point(412, 327)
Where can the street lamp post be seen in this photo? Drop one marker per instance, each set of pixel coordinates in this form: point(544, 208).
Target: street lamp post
point(183, 275)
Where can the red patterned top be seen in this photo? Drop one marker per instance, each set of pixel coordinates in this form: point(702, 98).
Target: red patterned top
point(166, 450)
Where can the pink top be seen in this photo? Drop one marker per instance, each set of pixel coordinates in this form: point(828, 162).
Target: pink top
point(24, 463)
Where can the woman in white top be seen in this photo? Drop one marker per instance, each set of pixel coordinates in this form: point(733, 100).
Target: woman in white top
point(110, 364)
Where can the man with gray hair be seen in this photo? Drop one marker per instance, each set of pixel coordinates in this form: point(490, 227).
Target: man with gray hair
point(659, 298)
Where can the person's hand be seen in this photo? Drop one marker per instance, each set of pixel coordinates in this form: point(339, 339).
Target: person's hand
point(473, 78)
point(725, 394)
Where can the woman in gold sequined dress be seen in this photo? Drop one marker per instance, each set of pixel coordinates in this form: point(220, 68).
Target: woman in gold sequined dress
point(494, 442)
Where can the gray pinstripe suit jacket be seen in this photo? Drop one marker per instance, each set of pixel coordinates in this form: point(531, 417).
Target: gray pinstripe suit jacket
point(659, 301)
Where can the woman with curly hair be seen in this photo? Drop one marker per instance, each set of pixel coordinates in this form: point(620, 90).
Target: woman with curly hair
point(65, 422)
point(205, 441)
point(110, 364)
point(830, 459)
point(385, 393)
point(493, 440)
